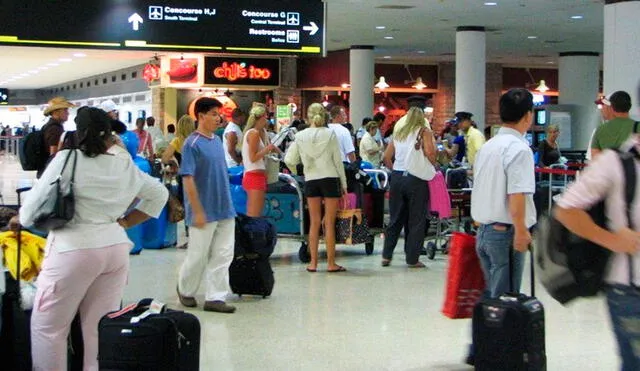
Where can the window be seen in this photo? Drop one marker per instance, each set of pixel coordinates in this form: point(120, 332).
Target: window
point(113, 78)
point(134, 75)
point(88, 84)
point(74, 86)
point(104, 81)
point(95, 82)
point(123, 77)
point(81, 85)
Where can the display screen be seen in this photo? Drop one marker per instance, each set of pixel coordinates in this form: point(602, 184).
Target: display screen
point(541, 117)
point(529, 137)
point(241, 71)
point(4, 96)
point(239, 26)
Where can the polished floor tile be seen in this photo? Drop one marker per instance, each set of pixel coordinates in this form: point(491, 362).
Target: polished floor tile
point(369, 318)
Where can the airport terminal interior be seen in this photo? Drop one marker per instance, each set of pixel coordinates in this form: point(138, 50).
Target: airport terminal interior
point(152, 59)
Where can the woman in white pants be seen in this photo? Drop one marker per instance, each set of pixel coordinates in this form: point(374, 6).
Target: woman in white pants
point(87, 260)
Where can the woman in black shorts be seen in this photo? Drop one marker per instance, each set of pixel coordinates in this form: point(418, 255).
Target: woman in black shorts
point(325, 182)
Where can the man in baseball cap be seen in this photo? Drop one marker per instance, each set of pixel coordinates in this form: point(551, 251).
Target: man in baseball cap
point(618, 127)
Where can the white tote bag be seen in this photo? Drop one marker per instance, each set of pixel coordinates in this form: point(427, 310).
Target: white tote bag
point(417, 164)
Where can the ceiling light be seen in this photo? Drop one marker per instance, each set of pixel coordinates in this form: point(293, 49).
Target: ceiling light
point(532, 37)
point(79, 55)
point(387, 57)
point(551, 62)
point(382, 83)
point(576, 17)
point(53, 64)
point(65, 59)
point(419, 84)
point(542, 87)
point(380, 27)
point(389, 37)
point(421, 52)
point(490, 4)
point(345, 85)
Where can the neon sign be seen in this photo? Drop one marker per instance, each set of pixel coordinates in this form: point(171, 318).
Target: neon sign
point(246, 71)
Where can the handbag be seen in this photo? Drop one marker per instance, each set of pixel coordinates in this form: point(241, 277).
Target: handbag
point(465, 280)
point(416, 163)
point(273, 170)
point(58, 208)
point(352, 228)
point(175, 209)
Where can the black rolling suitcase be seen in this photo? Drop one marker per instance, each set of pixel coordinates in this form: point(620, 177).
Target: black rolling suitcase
point(149, 337)
point(251, 275)
point(250, 272)
point(508, 332)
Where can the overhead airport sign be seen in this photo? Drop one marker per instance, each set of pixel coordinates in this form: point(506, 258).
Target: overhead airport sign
point(239, 26)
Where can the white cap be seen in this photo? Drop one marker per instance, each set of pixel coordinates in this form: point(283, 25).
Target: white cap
point(108, 106)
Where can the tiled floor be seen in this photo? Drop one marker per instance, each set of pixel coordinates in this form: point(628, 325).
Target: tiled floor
point(369, 318)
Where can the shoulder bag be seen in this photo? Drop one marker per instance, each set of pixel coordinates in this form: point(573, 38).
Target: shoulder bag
point(417, 164)
point(58, 207)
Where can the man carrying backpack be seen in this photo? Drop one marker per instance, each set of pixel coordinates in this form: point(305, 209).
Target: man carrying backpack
point(605, 179)
point(58, 112)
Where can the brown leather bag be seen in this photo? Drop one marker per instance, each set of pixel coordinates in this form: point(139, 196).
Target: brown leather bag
point(175, 209)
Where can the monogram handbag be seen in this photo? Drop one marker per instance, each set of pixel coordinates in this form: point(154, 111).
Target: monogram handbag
point(352, 228)
point(175, 209)
point(58, 208)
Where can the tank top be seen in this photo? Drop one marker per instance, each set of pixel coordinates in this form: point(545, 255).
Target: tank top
point(246, 162)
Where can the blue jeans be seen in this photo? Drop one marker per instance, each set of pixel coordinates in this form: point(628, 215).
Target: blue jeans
point(624, 307)
point(494, 243)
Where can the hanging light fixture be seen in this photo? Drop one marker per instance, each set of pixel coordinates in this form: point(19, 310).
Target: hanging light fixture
point(419, 84)
point(542, 87)
point(381, 84)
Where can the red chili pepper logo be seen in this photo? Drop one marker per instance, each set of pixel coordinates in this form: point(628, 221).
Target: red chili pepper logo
point(186, 70)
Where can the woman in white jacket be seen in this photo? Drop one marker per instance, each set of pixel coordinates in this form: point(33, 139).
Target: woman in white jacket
point(325, 181)
point(87, 260)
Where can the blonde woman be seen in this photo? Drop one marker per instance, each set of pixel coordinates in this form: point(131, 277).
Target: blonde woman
point(548, 150)
point(370, 149)
point(408, 194)
point(255, 146)
point(325, 181)
point(186, 126)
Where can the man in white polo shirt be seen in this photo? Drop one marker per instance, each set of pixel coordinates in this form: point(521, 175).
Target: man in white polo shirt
point(502, 196)
point(338, 118)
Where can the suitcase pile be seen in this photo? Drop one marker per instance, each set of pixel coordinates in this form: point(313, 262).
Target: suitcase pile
point(148, 336)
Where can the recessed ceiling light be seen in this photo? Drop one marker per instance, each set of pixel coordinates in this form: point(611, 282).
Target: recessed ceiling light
point(380, 27)
point(551, 62)
point(532, 37)
point(389, 37)
point(65, 59)
point(387, 57)
point(576, 17)
point(488, 3)
point(421, 52)
point(43, 68)
point(53, 64)
point(79, 55)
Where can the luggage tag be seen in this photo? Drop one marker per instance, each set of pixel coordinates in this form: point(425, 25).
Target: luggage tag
point(155, 307)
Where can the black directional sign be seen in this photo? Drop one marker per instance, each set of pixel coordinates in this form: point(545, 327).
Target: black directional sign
point(234, 26)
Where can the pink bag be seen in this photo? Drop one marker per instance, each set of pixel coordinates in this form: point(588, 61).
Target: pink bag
point(439, 200)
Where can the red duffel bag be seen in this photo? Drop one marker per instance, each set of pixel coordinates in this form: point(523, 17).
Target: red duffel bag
point(465, 280)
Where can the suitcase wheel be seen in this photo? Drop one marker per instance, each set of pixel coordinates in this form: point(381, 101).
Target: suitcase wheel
point(431, 250)
point(303, 253)
point(368, 248)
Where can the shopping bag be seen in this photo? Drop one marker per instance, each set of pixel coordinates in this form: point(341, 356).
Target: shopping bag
point(465, 280)
point(352, 228)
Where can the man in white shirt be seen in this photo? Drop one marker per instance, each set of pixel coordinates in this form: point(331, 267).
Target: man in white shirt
point(502, 196)
point(338, 118)
point(157, 137)
point(232, 136)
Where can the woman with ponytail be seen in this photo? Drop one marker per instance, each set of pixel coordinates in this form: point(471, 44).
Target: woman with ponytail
point(325, 182)
point(255, 146)
point(87, 260)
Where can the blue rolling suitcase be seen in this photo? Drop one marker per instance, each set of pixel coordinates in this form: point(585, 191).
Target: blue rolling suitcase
point(171, 235)
point(154, 231)
point(135, 235)
point(238, 198)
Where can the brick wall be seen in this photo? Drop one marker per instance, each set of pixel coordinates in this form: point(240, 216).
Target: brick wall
point(494, 91)
point(157, 106)
point(287, 92)
point(444, 102)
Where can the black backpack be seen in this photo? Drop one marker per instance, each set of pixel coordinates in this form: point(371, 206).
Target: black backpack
point(570, 266)
point(33, 152)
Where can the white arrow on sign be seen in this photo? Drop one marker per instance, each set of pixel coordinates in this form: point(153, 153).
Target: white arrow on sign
point(313, 28)
point(136, 20)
